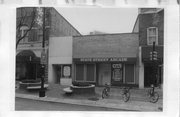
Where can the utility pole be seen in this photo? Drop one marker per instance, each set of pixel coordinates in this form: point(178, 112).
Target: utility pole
point(154, 60)
point(43, 58)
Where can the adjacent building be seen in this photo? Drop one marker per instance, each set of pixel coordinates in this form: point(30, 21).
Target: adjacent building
point(29, 49)
point(150, 26)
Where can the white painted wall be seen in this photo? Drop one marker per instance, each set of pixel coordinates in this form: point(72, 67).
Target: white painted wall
point(60, 52)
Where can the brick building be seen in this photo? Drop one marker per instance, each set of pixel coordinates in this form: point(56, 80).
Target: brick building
point(28, 52)
point(150, 26)
point(106, 58)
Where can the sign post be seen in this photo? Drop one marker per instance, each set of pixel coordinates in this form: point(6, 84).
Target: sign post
point(43, 59)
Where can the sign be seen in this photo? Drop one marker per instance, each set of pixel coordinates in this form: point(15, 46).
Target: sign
point(43, 57)
point(117, 72)
point(66, 71)
point(122, 59)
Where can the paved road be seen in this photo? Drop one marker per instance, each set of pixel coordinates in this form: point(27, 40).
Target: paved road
point(33, 105)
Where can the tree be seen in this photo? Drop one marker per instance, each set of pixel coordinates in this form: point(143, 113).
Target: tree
point(25, 17)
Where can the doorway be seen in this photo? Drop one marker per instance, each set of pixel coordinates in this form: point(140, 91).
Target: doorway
point(150, 75)
point(104, 74)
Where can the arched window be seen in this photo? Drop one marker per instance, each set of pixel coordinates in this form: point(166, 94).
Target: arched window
point(152, 35)
point(23, 31)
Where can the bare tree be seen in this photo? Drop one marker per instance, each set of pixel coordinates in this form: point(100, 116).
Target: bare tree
point(25, 17)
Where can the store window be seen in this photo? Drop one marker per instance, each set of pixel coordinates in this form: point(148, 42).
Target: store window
point(129, 74)
point(117, 72)
point(85, 72)
point(152, 35)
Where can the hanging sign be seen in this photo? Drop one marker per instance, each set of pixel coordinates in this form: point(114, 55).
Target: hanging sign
point(43, 57)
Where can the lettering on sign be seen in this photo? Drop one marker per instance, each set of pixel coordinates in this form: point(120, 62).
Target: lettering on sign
point(103, 59)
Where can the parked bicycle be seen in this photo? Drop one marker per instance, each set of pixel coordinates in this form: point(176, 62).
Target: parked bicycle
point(125, 92)
point(153, 96)
point(106, 91)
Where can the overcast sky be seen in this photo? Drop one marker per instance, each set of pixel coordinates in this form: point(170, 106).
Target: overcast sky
point(108, 20)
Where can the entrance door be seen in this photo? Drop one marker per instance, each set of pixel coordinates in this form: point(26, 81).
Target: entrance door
point(31, 71)
point(104, 74)
point(150, 75)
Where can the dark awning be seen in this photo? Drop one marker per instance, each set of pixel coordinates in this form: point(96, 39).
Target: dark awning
point(27, 56)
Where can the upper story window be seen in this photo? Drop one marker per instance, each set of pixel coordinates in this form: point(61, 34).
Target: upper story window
point(152, 35)
point(23, 31)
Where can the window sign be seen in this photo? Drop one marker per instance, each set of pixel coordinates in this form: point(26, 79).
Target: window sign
point(66, 71)
point(117, 72)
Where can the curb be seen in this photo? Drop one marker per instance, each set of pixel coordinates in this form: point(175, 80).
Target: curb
point(99, 103)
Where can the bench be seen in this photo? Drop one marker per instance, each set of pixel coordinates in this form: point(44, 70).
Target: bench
point(67, 90)
point(37, 87)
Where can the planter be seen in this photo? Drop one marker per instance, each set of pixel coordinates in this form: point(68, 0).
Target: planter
point(25, 83)
point(85, 89)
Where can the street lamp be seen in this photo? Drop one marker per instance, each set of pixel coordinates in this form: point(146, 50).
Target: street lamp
point(43, 59)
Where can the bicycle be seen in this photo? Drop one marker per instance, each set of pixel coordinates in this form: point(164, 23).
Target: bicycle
point(106, 91)
point(153, 96)
point(125, 92)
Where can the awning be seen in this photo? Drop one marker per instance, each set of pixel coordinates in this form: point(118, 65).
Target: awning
point(27, 56)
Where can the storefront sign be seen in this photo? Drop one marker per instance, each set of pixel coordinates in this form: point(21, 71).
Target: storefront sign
point(117, 72)
point(66, 71)
point(43, 57)
point(123, 59)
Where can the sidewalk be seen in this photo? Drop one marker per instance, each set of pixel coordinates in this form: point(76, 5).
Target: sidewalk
point(138, 100)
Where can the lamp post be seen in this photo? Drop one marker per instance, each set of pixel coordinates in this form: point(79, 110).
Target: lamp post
point(43, 59)
point(154, 60)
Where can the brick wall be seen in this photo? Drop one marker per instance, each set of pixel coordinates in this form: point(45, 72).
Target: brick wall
point(145, 21)
point(108, 45)
point(60, 26)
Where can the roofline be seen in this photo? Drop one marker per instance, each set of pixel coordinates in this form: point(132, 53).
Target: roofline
point(146, 13)
point(105, 34)
point(135, 22)
point(159, 10)
point(67, 21)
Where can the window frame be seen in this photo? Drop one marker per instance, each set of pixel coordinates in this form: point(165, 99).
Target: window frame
point(148, 35)
point(85, 72)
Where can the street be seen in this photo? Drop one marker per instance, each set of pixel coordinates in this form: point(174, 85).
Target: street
point(33, 105)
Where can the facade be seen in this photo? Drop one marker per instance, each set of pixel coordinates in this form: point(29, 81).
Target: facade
point(119, 59)
point(29, 49)
point(107, 58)
point(60, 60)
point(150, 26)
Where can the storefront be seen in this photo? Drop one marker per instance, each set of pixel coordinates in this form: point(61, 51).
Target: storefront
point(60, 60)
point(101, 59)
point(153, 70)
point(115, 71)
point(27, 66)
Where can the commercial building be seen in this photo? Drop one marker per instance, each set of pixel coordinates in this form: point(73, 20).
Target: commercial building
point(106, 58)
point(120, 59)
point(29, 49)
point(150, 26)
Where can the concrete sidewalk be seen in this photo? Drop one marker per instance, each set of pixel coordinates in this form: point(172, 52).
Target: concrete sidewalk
point(138, 100)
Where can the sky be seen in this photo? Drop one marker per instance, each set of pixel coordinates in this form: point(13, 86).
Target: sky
point(107, 20)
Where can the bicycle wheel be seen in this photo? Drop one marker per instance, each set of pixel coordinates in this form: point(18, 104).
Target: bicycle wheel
point(126, 96)
point(154, 97)
point(105, 93)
